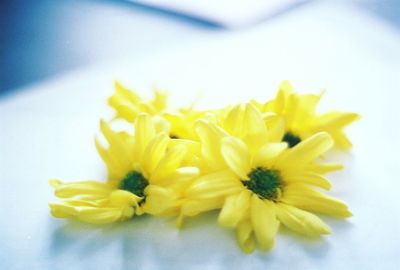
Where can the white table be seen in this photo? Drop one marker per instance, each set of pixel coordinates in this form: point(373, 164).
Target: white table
point(47, 131)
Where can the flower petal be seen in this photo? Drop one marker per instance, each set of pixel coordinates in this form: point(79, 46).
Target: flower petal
point(168, 164)
point(237, 156)
point(117, 145)
point(304, 197)
point(322, 168)
point(115, 169)
point(301, 221)
point(332, 121)
point(183, 177)
point(234, 209)
point(309, 178)
point(263, 219)
point(245, 236)
point(253, 120)
point(71, 189)
point(159, 199)
point(212, 185)
point(306, 151)
point(95, 215)
point(192, 207)
point(154, 152)
point(267, 154)
point(144, 132)
point(234, 123)
point(255, 128)
point(160, 100)
point(210, 137)
point(275, 126)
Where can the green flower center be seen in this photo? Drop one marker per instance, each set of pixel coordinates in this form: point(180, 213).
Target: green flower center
point(291, 139)
point(134, 182)
point(265, 183)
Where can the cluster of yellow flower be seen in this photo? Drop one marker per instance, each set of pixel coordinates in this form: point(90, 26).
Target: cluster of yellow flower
point(258, 163)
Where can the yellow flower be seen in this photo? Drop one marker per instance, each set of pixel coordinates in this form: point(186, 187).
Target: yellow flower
point(260, 183)
point(301, 119)
point(181, 122)
point(145, 176)
point(128, 104)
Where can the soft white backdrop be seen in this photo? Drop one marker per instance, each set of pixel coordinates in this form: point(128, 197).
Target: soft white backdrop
point(47, 131)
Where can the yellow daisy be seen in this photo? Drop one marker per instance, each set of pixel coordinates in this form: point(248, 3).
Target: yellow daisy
point(145, 176)
point(181, 121)
point(301, 119)
point(260, 184)
point(128, 104)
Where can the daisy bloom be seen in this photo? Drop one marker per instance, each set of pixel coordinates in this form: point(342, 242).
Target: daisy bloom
point(301, 119)
point(144, 176)
point(181, 121)
point(259, 183)
point(128, 104)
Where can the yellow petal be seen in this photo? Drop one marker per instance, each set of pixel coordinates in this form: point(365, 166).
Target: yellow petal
point(212, 185)
point(116, 170)
point(234, 209)
point(276, 128)
point(322, 168)
point(100, 215)
point(309, 178)
point(234, 122)
point(154, 152)
point(127, 94)
point(147, 108)
point(290, 110)
point(237, 156)
point(159, 199)
point(144, 132)
point(254, 126)
point(161, 124)
point(301, 221)
point(117, 145)
point(168, 165)
point(306, 151)
point(160, 100)
point(306, 105)
point(62, 210)
point(280, 101)
point(194, 207)
point(304, 197)
point(123, 198)
point(332, 121)
point(341, 140)
point(67, 190)
point(89, 212)
point(210, 137)
point(245, 236)
point(183, 177)
point(128, 112)
point(263, 219)
point(254, 122)
point(266, 155)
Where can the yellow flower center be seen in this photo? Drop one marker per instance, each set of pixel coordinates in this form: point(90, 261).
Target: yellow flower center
point(291, 139)
point(134, 182)
point(265, 183)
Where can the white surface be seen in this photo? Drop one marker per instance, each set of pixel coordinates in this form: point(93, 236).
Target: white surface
point(47, 131)
point(230, 13)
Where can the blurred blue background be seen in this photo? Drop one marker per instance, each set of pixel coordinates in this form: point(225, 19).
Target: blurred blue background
point(40, 39)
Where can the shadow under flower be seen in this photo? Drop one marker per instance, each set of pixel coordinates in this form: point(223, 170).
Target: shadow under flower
point(155, 243)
